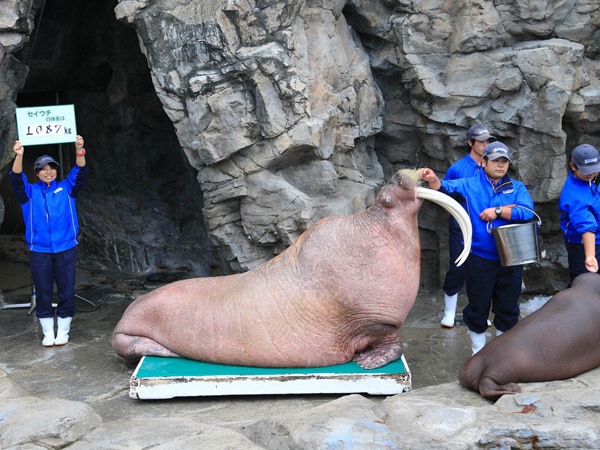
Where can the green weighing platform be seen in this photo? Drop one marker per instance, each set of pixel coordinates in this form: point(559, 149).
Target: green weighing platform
point(162, 378)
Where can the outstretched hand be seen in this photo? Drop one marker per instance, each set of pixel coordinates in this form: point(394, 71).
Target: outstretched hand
point(431, 178)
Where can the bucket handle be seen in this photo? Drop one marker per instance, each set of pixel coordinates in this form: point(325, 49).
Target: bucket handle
point(488, 226)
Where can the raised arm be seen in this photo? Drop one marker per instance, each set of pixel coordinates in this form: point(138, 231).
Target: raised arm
point(79, 151)
point(18, 161)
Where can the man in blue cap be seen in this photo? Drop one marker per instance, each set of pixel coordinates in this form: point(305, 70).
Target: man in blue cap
point(51, 231)
point(579, 206)
point(477, 138)
point(493, 199)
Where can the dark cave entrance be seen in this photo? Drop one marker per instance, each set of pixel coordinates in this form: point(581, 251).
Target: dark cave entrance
point(141, 208)
point(62, 60)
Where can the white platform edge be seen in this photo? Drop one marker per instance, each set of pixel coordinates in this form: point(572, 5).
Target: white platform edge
point(157, 388)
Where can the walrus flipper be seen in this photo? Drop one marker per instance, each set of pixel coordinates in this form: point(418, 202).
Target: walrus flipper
point(379, 354)
point(132, 348)
point(491, 390)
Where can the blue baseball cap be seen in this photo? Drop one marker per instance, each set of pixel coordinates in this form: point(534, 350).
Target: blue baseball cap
point(43, 161)
point(586, 158)
point(479, 133)
point(496, 150)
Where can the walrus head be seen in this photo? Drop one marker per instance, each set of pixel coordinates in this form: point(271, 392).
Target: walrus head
point(446, 202)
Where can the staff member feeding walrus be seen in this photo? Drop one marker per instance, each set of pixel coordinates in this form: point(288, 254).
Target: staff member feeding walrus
point(339, 293)
point(493, 198)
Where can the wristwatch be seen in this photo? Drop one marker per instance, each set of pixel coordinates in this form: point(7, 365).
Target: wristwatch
point(498, 210)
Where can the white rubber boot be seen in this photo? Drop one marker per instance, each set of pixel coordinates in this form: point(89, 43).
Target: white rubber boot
point(477, 341)
point(449, 310)
point(47, 324)
point(62, 334)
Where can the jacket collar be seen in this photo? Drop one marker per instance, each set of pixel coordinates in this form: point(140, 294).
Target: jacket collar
point(502, 185)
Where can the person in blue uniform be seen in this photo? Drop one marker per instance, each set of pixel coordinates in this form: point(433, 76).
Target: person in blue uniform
point(478, 137)
point(492, 199)
point(51, 232)
point(579, 206)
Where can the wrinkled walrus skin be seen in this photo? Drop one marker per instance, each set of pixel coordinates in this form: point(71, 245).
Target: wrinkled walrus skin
point(340, 292)
point(558, 341)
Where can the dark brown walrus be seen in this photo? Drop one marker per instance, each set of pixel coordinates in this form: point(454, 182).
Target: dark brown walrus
point(340, 292)
point(558, 341)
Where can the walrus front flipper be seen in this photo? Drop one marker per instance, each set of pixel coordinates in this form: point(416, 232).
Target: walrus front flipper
point(491, 390)
point(380, 353)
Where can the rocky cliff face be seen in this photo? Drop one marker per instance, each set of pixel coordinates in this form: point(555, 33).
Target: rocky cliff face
point(289, 111)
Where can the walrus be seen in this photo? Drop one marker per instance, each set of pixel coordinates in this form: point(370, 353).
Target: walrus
point(339, 293)
point(558, 341)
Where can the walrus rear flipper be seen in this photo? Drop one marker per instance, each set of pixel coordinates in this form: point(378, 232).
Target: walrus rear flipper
point(491, 390)
point(132, 348)
point(380, 353)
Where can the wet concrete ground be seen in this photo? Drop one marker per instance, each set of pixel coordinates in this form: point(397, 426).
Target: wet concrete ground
point(87, 369)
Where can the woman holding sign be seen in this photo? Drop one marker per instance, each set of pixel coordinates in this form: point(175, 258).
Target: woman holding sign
point(51, 229)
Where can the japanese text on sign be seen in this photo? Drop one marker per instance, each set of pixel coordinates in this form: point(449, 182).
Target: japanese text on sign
point(46, 124)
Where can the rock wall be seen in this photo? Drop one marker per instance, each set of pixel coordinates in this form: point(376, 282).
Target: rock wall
point(294, 110)
point(276, 107)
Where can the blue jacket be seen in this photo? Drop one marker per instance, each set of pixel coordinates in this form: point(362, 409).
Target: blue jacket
point(480, 193)
point(50, 214)
point(463, 168)
point(579, 206)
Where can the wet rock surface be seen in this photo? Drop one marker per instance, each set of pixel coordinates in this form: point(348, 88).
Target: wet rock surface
point(76, 396)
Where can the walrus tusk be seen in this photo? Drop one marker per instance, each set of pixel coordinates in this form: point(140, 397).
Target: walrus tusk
point(457, 211)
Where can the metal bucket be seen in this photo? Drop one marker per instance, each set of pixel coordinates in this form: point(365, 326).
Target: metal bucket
point(518, 243)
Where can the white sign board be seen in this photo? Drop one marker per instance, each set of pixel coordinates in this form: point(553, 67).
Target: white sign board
point(41, 125)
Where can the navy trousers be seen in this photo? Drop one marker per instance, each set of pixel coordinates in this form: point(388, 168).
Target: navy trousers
point(48, 268)
point(455, 277)
point(490, 286)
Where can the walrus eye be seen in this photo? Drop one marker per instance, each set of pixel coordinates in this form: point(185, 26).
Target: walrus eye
point(387, 200)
